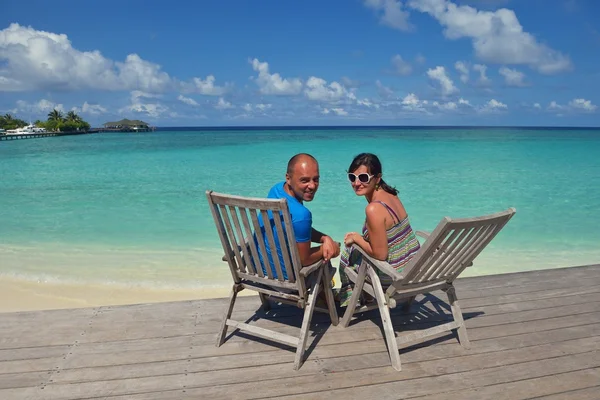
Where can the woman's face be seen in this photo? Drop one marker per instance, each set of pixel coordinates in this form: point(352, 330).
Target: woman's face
point(360, 187)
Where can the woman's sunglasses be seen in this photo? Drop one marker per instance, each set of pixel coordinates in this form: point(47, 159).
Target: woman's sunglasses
point(363, 178)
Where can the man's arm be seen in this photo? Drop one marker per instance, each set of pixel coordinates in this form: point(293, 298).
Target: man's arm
point(316, 236)
point(329, 249)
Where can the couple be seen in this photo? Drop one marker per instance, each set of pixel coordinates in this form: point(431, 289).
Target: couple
point(386, 233)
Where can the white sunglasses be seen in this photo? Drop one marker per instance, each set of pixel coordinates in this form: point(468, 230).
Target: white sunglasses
point(362, 178)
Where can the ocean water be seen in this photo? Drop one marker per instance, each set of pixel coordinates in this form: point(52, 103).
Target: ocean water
point(130, 209)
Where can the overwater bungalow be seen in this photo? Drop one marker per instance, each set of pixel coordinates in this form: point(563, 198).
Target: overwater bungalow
point(127, 125)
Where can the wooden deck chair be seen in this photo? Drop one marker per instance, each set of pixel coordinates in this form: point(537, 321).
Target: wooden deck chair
point(447, 251)
point(237, 222)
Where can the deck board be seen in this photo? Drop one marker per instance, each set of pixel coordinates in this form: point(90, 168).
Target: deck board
point(533, 335)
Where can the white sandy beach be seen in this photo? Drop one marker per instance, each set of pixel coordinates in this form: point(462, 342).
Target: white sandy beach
point(20, 295)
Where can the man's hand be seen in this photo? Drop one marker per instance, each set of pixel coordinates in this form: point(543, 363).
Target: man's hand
point(331, 249)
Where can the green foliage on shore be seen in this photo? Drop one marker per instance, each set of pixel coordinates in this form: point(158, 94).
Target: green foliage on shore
point(57, 121)
point(7, 121)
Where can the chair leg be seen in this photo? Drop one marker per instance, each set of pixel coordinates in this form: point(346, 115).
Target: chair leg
point(264, 299)
point(358, 287)
point(458, 317)
point(408, 304)
point(223, 329)
point(386, 321)
point(329, 295)
point(308, 313)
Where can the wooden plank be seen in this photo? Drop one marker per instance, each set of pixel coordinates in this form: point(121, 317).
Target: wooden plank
point(290, 385)
point(590, 393)
point(565, 386)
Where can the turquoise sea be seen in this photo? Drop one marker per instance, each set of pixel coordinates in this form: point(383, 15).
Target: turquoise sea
point(130, 209)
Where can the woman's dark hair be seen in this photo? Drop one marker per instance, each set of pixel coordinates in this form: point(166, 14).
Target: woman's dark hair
point(371, 161)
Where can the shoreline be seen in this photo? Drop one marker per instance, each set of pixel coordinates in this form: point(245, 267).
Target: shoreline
point(20, 295)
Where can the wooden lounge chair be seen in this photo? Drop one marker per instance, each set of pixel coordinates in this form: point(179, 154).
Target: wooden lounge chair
point(237, 222)
point(447, 251)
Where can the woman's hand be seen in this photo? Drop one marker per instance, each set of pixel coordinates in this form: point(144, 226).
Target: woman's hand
point(351, 238)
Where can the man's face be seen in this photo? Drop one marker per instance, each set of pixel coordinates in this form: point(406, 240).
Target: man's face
point(304, 180)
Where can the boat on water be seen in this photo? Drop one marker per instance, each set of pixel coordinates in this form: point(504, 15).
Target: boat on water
point(29, 129)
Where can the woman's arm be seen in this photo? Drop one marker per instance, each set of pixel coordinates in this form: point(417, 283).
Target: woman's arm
point(377, 246)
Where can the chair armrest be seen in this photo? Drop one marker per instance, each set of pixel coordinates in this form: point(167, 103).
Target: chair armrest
point(309, 269)
point(383, 266)
point(423, 234)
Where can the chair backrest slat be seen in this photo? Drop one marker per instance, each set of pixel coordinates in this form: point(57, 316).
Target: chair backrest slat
point(436, 258)
point(465, 238)
point(453, 246)
point(254, 265)
point(261, 244)
point(233, 212)
point(232, 238)
point(293, 248)
point(283, 243)
point(271, 240)
point(469, 255)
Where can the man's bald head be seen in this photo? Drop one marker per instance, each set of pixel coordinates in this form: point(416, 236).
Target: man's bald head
point(298, 158)
point(302, 177)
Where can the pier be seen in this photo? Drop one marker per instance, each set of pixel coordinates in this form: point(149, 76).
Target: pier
point(41, 135)
point(533, 335)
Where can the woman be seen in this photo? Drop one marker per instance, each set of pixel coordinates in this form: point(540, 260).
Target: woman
point(386, 234)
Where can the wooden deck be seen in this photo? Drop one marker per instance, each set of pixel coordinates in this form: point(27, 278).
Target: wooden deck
point(533, 335)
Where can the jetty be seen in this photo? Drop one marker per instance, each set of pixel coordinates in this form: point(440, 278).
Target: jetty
point(43, 134)
point(533, 335)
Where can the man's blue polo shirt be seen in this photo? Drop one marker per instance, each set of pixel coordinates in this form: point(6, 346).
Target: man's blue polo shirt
point(301, 221)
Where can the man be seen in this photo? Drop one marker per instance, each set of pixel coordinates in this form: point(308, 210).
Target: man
point(300, 185)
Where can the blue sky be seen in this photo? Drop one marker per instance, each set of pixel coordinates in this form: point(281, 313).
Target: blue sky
point(336, 62)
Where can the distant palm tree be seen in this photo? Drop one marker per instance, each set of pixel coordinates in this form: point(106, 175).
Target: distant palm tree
point(73, 117)
point(55, 115)
point(8, 118)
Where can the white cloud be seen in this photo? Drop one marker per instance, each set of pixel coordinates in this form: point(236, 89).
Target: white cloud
point(336, 110)
point(464, 102)
point(401, 67)
point(446, 85)
point(449, 106)
point(152, 109)
point(208, 87)
point(391, 13)
point(383, 91)
point(260, 107)
point(537, 105)
point(317, 89)
point(223, 104)
point(483, 79)
point(554, 106)
point(412, 103)
point(512, 77)
point(367, 103)
point(575, 105)
point(187, 100)
point(44, 60)
point(497, 36)
point(273, 83)
point(582, 104)
point(493, 105)
point(93, 109)
point(43, 106)
point(463, 68)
